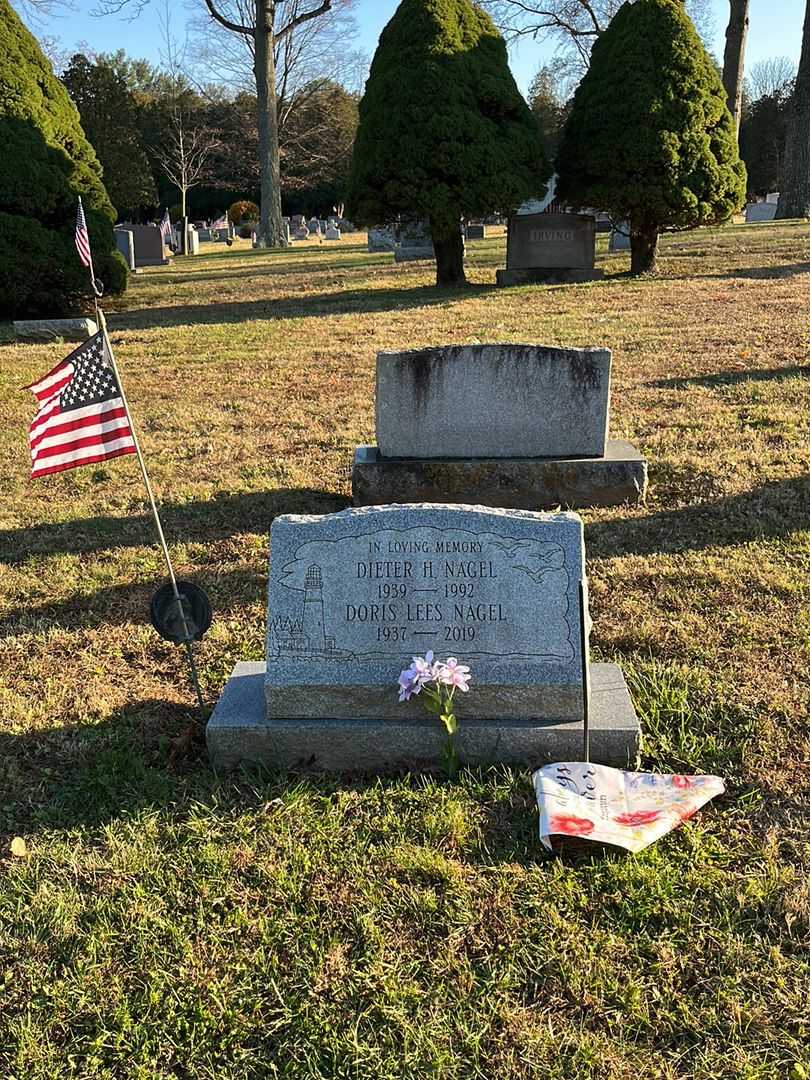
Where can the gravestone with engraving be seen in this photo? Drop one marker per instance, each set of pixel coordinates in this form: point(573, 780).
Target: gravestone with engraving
point(549, 247)
point(354, 595)
point(522, 426)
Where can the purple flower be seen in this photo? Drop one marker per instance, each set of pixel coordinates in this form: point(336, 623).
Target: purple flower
point(424, 668)
point(409, 684)
point(452, 673)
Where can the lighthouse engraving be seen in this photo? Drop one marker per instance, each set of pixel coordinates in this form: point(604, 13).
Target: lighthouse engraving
point(313, 609)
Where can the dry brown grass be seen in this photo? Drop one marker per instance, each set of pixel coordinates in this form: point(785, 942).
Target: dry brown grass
point(251, 377)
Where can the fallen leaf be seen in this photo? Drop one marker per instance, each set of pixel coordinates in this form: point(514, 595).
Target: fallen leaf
point(18, 847)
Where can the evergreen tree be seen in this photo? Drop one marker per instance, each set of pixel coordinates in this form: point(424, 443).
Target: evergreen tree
point(109, 121)
point(48, 164)
point(650, 138)
point(444, 131)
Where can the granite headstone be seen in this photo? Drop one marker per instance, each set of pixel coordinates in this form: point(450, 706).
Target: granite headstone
point(549, 246)
point(505, 401)
point(353, 595)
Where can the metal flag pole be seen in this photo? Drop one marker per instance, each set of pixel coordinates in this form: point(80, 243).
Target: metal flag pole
point(586, 672)
point(187, 637)
point(101, 322)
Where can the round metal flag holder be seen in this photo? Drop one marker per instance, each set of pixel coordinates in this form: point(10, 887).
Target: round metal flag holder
point(168, 621)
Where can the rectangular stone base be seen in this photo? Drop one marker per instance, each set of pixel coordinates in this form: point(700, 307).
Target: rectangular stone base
point(46, 330)
point(239, 733)
point(547, 276)
point(513, 483)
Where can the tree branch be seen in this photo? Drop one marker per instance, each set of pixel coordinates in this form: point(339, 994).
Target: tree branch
point(302, 18)
point(237, 28)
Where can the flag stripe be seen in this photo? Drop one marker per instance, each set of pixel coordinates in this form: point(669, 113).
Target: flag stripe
point(59, 440)
point(63, 423)
point(52, 382)
point(97, 412)
point(75, 448)
point(109, 452)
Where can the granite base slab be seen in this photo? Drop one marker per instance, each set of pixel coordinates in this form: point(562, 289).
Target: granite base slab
point(547, 276)
point(47, 330)
point(514, 483)
point(239, 733)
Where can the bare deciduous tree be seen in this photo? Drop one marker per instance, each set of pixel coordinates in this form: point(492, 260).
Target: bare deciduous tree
point(734, 57)
point(185, 153)
point(264, 26)
point(771, 78)
point(315, 55)
point(575, 24)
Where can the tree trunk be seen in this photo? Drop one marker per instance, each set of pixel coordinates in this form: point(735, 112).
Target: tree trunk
point(794, 200)
point(448, 244)
point(734, 57)
point(643, 248)
point(271, 232)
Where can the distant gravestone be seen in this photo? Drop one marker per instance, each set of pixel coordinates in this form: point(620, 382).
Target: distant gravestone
point(125, 244)
point(542, 247)
point(476, 232)
point(193, 246)
point(383, 239)
point(149, 250)
point(760, 211)
point(42, 331)
point(620, 237)
point(332, 233)
point(314, 227)
point(414, 241)
point(353, 596)
point(301, 233)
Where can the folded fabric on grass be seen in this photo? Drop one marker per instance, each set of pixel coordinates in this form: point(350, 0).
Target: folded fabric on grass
point(630, 810)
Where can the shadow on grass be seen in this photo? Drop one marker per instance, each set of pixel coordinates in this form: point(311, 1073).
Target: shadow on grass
point(309, 305)
point(192, 522)
point(129, 603)
point(733, 378)
point(774, 510)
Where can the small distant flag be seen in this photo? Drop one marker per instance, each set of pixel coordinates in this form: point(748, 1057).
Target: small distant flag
point(82, 239)
point(166, 230)
point(221, 223)
point(81, 417)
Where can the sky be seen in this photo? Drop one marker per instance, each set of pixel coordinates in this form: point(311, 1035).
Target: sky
point(775, 30)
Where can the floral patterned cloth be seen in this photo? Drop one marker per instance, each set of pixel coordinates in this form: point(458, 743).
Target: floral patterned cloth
point(610, 806)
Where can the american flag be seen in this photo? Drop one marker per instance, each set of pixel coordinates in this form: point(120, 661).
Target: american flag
point(166, 230)
point(82, 239)
point(81, 416)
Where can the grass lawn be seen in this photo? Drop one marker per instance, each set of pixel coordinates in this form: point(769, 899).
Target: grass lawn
point(167, 922)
